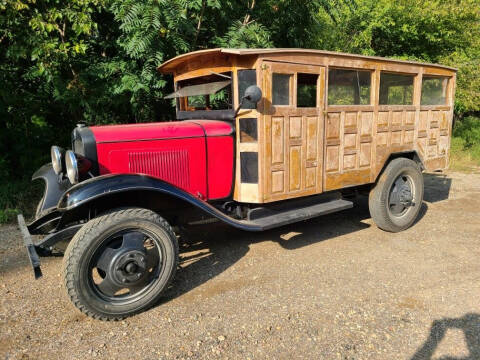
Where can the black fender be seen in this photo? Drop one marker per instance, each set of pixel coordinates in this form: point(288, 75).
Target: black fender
point(111, 190)
point(54, 188)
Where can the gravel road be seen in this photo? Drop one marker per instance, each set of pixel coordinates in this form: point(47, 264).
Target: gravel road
point(335, 287)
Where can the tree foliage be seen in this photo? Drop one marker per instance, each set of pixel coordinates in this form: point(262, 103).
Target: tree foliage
point(62, 62)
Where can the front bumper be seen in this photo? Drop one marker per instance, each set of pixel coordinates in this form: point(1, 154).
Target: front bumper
point(31, 249)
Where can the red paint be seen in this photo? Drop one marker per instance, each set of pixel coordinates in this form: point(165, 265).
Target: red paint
point(175, 152)
point(136, 132)
point(220, 166)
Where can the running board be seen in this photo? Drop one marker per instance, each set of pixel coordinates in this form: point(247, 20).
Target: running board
point(273, 219)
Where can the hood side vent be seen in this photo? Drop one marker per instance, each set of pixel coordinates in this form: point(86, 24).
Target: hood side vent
point(170, 166)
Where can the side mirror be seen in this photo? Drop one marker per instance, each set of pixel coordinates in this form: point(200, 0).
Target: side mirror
point(253, 94)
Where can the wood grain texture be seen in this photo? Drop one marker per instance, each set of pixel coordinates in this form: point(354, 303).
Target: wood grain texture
point(305, 151)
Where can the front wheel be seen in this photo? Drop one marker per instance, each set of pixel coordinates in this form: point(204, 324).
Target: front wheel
point(120, 263)
point(397, 197)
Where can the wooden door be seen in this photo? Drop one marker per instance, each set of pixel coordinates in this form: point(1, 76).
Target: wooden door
point(294, 125)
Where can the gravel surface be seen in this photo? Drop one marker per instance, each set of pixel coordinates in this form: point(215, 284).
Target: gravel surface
point(335, 287)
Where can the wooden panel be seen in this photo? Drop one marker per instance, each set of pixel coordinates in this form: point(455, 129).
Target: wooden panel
point(397, 118)
point(349, 161)
point(367, 123)
point(436, 117)
point(350, 141)
point(382, 121)
point(408, 137)
point(382, 139)
point(365, 154)
point(444, 121)
point(350, 126)
point(422, 125)
point(333, 128)
point(396, 138)
point(295, 168)
point(311, 177)
point(277, 182)
point(295, 127)
point(312, 140)
point(410, 118)
point(277, 140)
point(332, 158)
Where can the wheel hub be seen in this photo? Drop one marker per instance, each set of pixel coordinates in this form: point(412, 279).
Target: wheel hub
point(128, 267)
point(405, 195)
point(401, 196)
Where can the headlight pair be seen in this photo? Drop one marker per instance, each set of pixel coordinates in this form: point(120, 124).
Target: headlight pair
point(65, 163)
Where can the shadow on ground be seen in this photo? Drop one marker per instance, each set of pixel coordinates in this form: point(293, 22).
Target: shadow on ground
point(469, 324)
point(437, 187)
point(211, 249)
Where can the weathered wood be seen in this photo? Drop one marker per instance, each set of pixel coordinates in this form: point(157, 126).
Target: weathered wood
point(304, 151)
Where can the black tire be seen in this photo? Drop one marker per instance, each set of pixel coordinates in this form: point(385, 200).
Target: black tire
point(389, 211)
point(93, 244)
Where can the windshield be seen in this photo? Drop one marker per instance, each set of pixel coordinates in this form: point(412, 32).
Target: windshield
point(211, 92)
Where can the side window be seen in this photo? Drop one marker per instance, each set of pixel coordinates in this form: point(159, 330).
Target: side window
point(245, 79)
point(307, 90)
point(349, 87)
point(434, 90)
point(396, 89)
point(281, 89)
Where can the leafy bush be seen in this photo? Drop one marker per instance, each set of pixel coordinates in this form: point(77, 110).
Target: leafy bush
point(19, 197)
point(469, 130)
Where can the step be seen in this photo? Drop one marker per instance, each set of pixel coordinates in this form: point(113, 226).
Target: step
point(280, 218)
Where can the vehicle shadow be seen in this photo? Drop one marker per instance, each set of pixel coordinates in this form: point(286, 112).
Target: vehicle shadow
point(211, 249)
point(469, 324)
point(437, 187)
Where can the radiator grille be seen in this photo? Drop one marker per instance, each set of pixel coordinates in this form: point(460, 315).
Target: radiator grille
point(171, 165)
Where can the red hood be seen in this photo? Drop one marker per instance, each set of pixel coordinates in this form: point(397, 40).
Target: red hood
point(163, 130)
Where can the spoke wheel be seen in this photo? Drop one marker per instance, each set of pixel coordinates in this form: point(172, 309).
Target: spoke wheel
point(120, 263)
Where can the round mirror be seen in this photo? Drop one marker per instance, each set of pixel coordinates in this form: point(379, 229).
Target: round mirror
point(253, 94)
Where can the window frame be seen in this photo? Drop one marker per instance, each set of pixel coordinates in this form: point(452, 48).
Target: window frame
point(291, 87)
point(317, 90)
point(447, 90)
point(371, 103)
point(413, 75)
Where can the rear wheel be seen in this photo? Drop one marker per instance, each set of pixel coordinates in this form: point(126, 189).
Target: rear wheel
point(396, 199)
point(120, 263)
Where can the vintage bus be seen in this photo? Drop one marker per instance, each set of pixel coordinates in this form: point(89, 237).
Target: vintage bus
point(263, 138)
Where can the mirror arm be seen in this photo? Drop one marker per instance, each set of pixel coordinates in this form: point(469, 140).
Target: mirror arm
point(239, 107)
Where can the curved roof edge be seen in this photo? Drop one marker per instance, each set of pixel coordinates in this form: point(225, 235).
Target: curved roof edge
point(168, 65)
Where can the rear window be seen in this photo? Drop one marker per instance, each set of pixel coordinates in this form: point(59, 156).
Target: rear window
point(434, 90)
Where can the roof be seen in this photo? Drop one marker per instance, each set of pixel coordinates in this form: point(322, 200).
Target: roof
point(169, 65)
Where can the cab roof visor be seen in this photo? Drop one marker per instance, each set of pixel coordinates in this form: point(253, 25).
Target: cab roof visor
point(202, 89)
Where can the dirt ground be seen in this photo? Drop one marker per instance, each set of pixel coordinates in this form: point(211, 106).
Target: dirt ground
point(335, 287)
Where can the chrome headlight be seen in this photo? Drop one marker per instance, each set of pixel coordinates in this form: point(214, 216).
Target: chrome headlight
point(72, 166)
point(57, 161)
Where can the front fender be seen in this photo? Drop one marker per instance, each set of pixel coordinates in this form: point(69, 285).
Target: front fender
point(103, 188)
point(54, 188)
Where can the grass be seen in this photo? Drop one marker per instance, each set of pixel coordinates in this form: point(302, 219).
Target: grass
point(465, 145)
